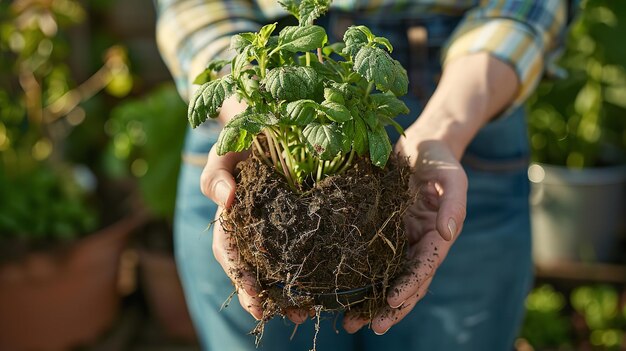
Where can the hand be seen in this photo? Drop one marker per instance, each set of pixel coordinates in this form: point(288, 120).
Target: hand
point(432, 224)
point(218, 184)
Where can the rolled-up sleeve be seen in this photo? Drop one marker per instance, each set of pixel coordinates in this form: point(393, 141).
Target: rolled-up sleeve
point(523, 33)
point(190, 33)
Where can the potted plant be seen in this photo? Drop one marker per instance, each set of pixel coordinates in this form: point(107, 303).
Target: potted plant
point(577, 133)
point(58, 285)
point(146, 144)
point(319, 204)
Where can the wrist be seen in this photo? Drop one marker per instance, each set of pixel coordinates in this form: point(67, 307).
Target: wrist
point(442, 125)
point(465, 100)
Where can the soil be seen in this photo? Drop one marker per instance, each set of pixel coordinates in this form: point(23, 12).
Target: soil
point(344, 233)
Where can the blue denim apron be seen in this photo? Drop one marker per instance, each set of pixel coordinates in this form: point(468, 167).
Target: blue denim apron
point(476, 299)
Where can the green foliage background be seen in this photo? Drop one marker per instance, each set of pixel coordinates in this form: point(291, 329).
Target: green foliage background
point(580, 121)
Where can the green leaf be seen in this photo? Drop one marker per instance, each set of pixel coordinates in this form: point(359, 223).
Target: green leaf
point(208, 74)
point(326, 71)
point(264, 34)
point(248, 121)
point(348, 91)
point(240, 41)
point(389, 105)
point(250, 85)
point(301, 39)
point(347, 130)
point(359, 142)
point(291, 83)
point(371, 119)
point(325, 140)
point(334, 48)
point(335, 112)
point(376, 66)
point(384, 42)
point(299, 112)
point(207, 100)
point(204, 77)
point(400, 85)
point(355, 38)
point(233, 139)
point(310, 10)
point(291, 6)
point(333, 94)
point(385, 120)
point(240, 62)
point(379, 145)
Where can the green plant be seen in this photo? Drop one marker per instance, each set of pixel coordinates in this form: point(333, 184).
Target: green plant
point(146, 142)
point(600, 307)
point(594, 316)
point(316, 111)
point(579, 121)
point(44, 197)
point(545, 325)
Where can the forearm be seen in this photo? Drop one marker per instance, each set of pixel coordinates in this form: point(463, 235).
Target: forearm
point(473, 89)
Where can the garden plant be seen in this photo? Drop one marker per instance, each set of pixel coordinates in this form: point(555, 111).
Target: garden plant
point(319, 202)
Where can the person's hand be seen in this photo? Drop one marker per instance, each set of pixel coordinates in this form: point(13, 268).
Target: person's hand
point(218, 184)
point(432, 224)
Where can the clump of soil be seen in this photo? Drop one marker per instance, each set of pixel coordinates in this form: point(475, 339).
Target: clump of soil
point(344, 233)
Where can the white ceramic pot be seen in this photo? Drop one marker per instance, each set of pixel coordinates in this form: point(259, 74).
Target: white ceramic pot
point(577, 215)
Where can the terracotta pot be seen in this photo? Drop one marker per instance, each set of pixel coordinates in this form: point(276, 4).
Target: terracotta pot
point(159, 279)
point(60, 300)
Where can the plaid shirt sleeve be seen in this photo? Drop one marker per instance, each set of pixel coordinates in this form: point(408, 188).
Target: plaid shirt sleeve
point(190, 33)
point(524, 33)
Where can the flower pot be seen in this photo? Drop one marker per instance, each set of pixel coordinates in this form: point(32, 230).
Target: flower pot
point(577, 215)
point(159, 279)
point(61, 299)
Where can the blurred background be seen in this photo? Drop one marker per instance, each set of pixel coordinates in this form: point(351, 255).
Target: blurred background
point(91, 130)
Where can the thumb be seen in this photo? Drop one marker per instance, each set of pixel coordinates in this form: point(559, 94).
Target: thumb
point(217, 181)
point(452, 205)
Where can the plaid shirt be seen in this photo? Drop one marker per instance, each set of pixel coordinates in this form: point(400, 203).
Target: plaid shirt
point(524, 33)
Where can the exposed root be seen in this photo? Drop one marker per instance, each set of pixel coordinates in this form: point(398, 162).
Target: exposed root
point(318, 312)
point(226, 302)
point(344, 233)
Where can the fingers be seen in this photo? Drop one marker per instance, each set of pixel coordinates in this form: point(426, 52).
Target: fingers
point(425, 257)
point(226, 254)
point(452, 206)
point(297, 316)
point(353, 323)
point(389, 316)
point(217, 181)
point(251, 304)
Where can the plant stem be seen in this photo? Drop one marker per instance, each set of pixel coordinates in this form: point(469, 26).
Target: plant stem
point(290, 160)
point(270, 143)
point(348, 163)
point(308, 59)
point(261, 152)
point(370, 85)
point(320, 58)
point(320, 170)
point(334, 164)
point(281, 157)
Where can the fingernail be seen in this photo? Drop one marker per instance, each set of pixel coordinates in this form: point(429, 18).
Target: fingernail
point(222, 192)
point(401, 303)
point(383, 333)
point(452, 228)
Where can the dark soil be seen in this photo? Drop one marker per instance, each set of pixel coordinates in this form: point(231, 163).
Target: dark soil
point(345, 232)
